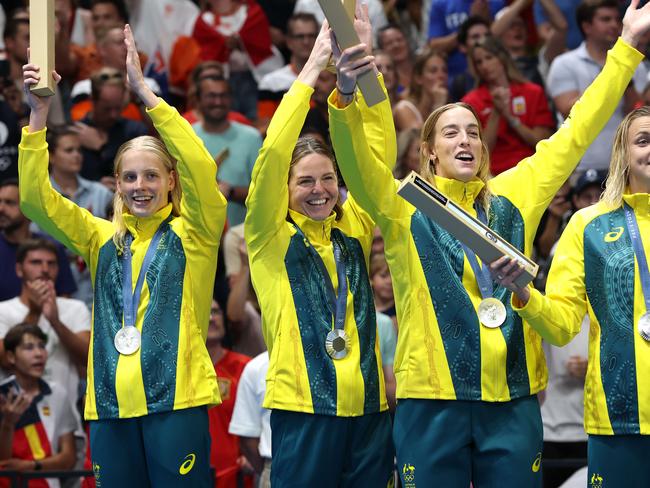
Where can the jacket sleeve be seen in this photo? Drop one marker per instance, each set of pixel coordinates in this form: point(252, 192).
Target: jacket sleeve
point(557, 316)
point(73, 226)
point(379, 127)
point(531, 185)
point(364, 163)
point(203, 208)
point(268, 196)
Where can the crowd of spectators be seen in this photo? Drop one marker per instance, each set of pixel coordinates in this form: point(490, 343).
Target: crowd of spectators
point(225, 64)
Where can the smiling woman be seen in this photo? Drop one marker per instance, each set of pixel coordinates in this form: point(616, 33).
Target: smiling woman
point(150, 378)
point(309, 259)
point(467, 409)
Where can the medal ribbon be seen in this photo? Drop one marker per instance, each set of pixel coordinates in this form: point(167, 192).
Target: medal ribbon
point(131, 300)
point(482, 273)
point(337, 301)
point(637, 245)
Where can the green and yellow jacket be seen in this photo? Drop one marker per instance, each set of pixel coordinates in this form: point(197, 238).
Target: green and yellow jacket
point(172, 370)
point(594, 272)
point(443, 352)
point(294, 304)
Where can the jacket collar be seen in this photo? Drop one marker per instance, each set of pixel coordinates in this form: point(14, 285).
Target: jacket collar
point(464, 194)
point(317, 231)
point(640, 202)
point(146, 226)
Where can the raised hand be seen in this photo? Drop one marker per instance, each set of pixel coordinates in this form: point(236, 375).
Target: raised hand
point(362, 25)
point(636, 23)
point(318, 58)
point(39, 106)
point(134, 75)
point(13, 406)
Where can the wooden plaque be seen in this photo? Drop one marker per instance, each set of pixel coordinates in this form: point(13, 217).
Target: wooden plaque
point(340, 21)
point(486, 243)
point(41, 44)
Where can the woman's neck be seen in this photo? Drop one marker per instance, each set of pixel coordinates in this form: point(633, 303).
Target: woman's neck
point(638, 185)
point(67, 181)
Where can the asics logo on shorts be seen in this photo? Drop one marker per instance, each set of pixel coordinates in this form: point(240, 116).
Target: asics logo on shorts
point(537, 463)
point(188, 464)
point(614, 234)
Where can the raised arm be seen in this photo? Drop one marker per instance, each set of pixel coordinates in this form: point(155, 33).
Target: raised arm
point(378, 122)
point(203, 208)
point(268, 198)
point(75, 227)
point(534, 182)
point(366, 167)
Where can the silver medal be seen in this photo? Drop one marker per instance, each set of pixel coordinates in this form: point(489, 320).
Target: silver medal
point(127, 340)
point(337, 344)
point(492, 312)
point(644, 326)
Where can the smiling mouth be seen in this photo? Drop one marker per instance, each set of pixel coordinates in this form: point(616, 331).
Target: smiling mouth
point(465, 157)
point(142, 198)
point(317, 203)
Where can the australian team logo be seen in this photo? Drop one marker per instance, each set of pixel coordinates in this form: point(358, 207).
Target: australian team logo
point(408, 475)
point(596, 481)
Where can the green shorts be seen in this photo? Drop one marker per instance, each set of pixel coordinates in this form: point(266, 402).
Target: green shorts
point(451, 443)
point(161, 450)
point(327, 451)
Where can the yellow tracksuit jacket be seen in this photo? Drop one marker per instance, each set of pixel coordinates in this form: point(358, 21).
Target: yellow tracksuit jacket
point(293, 299)
point(594, 271)
point(172, 370)
point(443, 352)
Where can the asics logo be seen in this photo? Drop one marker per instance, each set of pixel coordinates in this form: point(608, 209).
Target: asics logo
point(537, 463)
point(614, 234)
point(188, 464)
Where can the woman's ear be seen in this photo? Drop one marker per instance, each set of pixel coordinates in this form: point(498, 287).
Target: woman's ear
point(172, 180)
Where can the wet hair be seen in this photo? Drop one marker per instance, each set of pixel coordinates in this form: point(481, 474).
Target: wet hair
point(155, 146)
point(15, 335)
point(428, 166)
point(307, 145)
point(619, 168)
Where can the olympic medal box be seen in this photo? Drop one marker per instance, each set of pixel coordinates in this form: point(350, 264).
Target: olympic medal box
point(486, 243)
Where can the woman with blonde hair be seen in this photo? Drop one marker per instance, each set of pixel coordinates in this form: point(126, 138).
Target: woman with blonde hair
point(150, 378)
point(309, 256)
point(600, 268)
point(513, 111)
point(467, 367)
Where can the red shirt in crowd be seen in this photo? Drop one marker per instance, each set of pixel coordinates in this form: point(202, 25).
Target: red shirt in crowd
point(529, 104)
